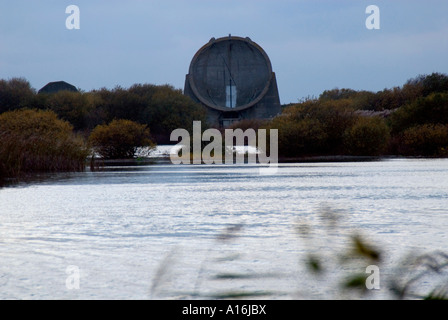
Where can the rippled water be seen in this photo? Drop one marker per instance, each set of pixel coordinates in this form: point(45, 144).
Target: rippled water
point(165, 231)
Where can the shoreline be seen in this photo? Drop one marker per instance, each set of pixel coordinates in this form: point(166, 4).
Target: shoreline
point(305, 159)
point(100, 164)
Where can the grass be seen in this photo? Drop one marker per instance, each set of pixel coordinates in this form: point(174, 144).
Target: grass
point(341, 267)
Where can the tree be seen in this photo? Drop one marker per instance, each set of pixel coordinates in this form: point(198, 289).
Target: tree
point(425, 140)
point(74, 107)
point(120, 139)
point(169, 109)
point(313, 127)
point(15, 93)
point(435, 82)
point(162, 108)
point(369, 136)
point(336, 94)
point(36, 140)
point(298, 137)
point(430, 109)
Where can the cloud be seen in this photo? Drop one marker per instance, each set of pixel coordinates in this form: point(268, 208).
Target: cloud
point(313, 45)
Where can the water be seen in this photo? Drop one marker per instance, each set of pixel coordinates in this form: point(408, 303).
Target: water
point(181, 232)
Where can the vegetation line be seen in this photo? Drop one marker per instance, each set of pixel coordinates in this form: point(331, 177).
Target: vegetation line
point(54, 131)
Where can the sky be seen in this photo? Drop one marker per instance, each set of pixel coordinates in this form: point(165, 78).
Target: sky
point(313, 45)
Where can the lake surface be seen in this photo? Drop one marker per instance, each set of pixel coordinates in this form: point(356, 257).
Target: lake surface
point(168, 231)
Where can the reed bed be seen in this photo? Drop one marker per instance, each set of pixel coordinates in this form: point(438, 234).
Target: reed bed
point(37, 141)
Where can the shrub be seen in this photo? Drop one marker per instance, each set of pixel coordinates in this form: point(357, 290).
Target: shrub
point(15, 93)
point(313, 127)
point(367, 137)
point(435, 82)
point(298, 138)
point(36, 140)
point(170, 109)
point(74, 107)
point(430, 109)
point(425, 140)
point(120, 139)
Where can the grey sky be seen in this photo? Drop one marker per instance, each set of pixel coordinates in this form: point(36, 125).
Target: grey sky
point(313, 45)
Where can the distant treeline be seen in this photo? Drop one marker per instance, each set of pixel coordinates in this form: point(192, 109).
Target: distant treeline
point(410, 120)
point(44, 132)
point(161, 107)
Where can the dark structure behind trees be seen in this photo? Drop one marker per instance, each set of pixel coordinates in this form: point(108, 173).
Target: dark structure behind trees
point(56, 86)
point(233, 78)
